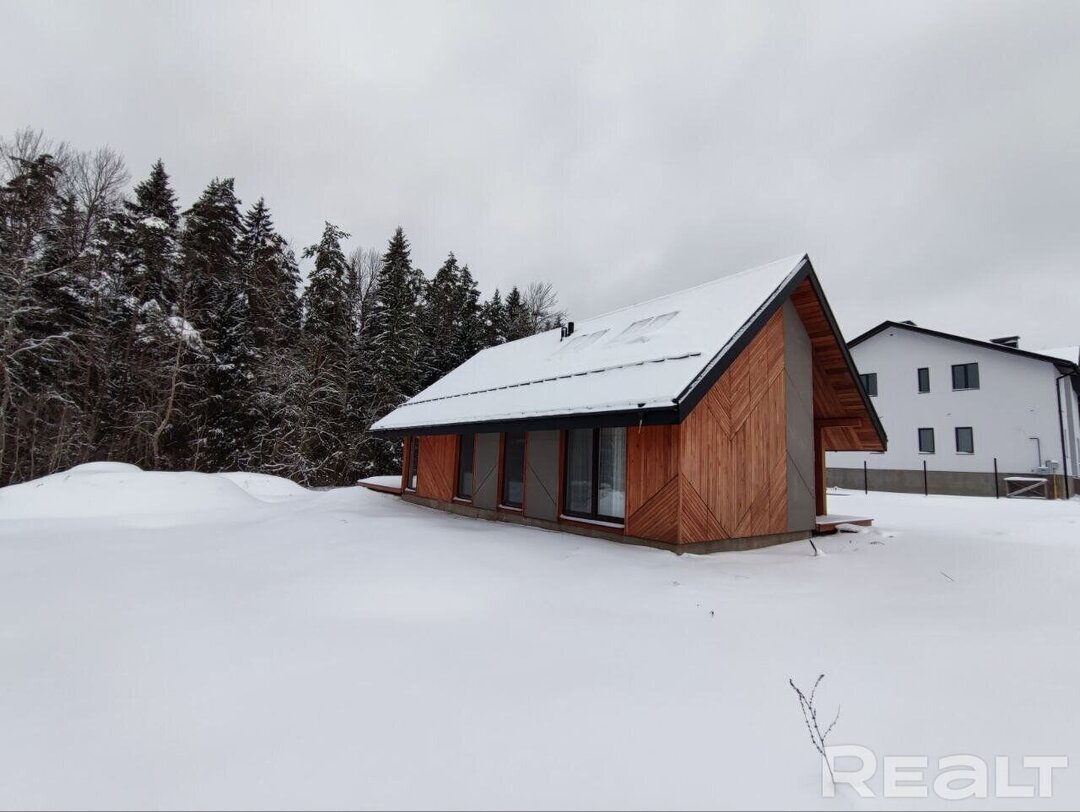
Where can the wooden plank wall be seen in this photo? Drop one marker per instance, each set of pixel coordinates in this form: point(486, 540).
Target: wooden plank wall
point(437, 466)
point(723, 472)
point(836, 392)
point(652, 482)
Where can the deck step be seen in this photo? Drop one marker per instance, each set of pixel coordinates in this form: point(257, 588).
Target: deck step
point(828, 523)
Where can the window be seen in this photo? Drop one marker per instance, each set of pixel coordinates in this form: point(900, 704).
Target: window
point(640, 330)
point(924, 379)
point(464, 489)
point(926, 441)
point(578, 342)
point(414, 463)
point(513, 474)
point(579, 471)
point(965, 376)
point(965, 440)
point(595, 474)
point(869, 383)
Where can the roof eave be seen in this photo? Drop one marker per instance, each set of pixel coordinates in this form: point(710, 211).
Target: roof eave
point(652, 416)
point(879, 429)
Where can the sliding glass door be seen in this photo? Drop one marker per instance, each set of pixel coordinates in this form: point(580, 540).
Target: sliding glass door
point(579, 472)
point(513, 482)
point(595, 474)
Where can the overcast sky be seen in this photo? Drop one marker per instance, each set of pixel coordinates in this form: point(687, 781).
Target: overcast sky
point(926, 156)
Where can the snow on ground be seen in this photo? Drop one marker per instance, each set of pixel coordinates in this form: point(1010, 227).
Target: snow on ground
point(180, 640)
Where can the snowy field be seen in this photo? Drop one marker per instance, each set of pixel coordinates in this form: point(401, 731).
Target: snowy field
point(180, 640)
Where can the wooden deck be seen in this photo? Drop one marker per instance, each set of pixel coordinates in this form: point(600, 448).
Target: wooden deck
point(382, 484)
point(828, 524)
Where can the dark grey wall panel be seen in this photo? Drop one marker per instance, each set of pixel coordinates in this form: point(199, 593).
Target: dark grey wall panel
point(542, 475)
point(486, 471)
point(799, 409)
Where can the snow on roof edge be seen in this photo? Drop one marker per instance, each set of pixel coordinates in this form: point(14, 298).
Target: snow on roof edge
point(722, 312)
point(716, 359)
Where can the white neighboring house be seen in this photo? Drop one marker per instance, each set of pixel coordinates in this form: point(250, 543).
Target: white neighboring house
point(958, 403)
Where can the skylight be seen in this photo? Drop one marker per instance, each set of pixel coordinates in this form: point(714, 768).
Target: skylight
point(580, 342)
point(642, 329)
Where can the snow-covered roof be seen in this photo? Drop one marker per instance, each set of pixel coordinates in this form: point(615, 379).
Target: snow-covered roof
point(1071, 354)
point(1067, 354)
point(642, 357)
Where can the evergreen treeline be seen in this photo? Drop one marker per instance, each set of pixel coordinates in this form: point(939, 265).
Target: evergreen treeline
point(133, 330)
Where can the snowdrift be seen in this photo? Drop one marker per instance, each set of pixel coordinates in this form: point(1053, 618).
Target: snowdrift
point(117, 490)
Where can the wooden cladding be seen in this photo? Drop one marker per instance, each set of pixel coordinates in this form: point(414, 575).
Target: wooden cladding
point(652, 482)
point(722, 473)
point(438, 466)
point(836, 392)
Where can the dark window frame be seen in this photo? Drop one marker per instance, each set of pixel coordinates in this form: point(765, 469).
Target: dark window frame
point(971, 436)
point(933, 442)
point(464, 439)
point(966, 378)
point(594, 498)
point(503, 503)
point(869, 383)
point(924, 385)
point(412, 472)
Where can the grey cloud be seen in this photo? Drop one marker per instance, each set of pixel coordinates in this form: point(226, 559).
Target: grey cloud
point(925, 154)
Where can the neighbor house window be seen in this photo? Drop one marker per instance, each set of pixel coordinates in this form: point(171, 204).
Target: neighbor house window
point(869, 383)
point(414, 463)
point(965, 440)
point(595, 475)
point(965, 376)
point(464, 488)
point(926, 441)
point(513, 475)
point(924, 379)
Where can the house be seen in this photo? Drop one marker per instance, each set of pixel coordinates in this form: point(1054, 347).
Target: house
point(959, 404)
point(696, 421)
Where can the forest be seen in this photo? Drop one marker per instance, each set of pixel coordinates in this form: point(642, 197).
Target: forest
point(134, 330)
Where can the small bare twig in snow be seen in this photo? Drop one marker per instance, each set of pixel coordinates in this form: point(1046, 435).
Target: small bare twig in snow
point(809, 712)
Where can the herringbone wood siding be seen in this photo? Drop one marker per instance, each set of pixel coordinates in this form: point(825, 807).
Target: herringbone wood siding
point(652, 482)
point(722, 473)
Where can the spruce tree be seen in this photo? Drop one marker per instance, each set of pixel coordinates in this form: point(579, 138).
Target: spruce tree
point(440, 323)
point(271, 278)
point(210, 252)
point(392, 340)
point(34, 344)
point(517, 316)
point(328, 337)
point(469, 338)
point(142, 241)
point(154, 220)
point(214, 300)
point(493, 326)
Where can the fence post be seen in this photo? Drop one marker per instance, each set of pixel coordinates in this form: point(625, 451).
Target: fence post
point(865, 480)
point(997, 487)
point(925, 483)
